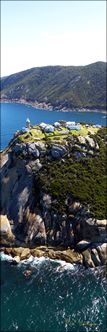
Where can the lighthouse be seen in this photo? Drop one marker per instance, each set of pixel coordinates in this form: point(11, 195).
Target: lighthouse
point(28, 123)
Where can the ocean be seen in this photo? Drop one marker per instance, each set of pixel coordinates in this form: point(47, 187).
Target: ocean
point(56, 297)
point(13, 117)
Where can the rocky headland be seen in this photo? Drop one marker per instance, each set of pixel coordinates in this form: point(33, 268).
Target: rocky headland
point(53, 187)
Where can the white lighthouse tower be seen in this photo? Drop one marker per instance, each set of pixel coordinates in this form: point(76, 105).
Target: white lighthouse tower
point(28, 123)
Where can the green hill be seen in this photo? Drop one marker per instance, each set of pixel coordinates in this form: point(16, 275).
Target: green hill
point(71, 87)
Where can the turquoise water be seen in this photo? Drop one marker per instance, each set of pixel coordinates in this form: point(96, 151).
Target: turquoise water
point(13, 117)
point(56, 297)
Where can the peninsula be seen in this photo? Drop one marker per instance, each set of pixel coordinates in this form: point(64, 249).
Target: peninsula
point(53, 200)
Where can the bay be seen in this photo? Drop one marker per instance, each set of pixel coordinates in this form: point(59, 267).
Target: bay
point(13, 117)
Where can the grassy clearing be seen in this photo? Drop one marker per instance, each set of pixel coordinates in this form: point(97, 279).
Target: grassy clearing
point(84, 131)
point(31, 136)
point(36, 134)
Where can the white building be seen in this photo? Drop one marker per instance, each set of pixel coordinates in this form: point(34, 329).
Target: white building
point(57, 124)
point(76, 127)
point(42, 125)
point(49, 129)
point(70, 123)
point(97, 126)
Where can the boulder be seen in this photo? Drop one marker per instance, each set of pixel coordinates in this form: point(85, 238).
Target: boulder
point(46, 201)
point(90, 221)
point(16, 259)
point(4, 225)
point(35, 229)
point(90, 141)
point(68, 255)
point(102, 251)
point(5, 230)
point(87, 259)
point(101, 223)
point(34, 166)
point(82, 245)
point(8, 251)
point(37, 253)
point(41, 148)
point(71, 256)
point(82, 140)
point(85, 229)
point(38, 164)
point(25, 253)
point(52, 254)
point(16, 251)
point(33, 150)
point(95, 257)
point(91, 152)
point(58, 151)
point(73, 207)
point(78, 154)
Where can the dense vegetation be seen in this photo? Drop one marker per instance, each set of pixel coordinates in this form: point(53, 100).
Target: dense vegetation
point(84, 179)
point(82, 86)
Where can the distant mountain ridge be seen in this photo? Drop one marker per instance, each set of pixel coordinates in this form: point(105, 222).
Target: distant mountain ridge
point(60, 86)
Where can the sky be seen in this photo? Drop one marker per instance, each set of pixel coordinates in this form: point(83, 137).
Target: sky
point(41, 33)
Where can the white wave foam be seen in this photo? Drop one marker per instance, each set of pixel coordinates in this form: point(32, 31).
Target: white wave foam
point(63, 266)
point(5, 257)
point(33, 261)
point(40, 260)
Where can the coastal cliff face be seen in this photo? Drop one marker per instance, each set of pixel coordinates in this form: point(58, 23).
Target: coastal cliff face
point(52, 196)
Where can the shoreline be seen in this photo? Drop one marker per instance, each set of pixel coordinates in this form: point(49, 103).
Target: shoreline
point(65, 260)
point(19, 254)
point(46, 107)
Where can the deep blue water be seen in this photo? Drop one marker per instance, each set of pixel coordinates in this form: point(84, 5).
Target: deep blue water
point(56, 297)
point(13, 117)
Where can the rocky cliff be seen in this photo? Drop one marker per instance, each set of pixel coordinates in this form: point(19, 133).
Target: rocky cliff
point(52, 197)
